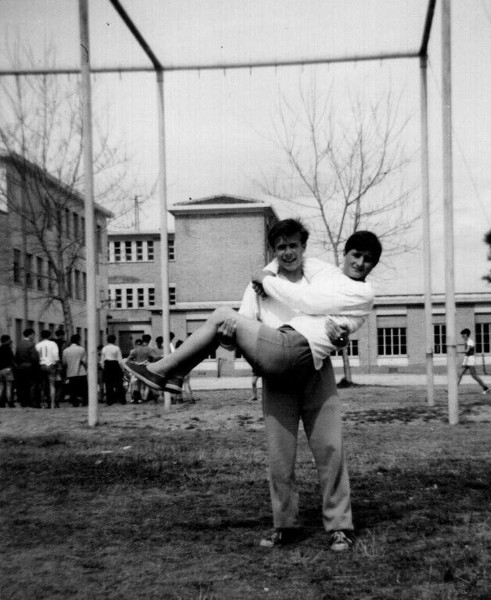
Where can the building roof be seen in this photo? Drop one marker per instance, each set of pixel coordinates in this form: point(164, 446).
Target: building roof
point(221, 203)
point(21, 162)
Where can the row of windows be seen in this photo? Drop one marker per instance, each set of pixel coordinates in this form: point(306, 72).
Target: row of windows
point(392, 341)
point(39, 275)
point(137, 250)
point(136, 296)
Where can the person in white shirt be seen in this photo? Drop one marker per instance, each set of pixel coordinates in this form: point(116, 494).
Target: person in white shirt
point(49, 357)
point(290, 350)
point(112, 364)
point(319, 288)
point(469, 362)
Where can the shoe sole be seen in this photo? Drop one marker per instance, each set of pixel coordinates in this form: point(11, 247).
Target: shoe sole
point(148, 382)
point(167, 387)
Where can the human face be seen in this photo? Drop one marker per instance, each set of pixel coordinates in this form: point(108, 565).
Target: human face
point(358, 264)
point(289, 251)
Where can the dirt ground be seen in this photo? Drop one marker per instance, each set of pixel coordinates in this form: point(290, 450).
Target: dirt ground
point(227, 409)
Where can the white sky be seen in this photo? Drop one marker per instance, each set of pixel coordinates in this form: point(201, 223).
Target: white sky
point(218, 124)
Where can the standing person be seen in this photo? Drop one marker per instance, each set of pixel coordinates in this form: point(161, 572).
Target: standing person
point(112, 371)
point(141, 354)
point(27, 370)
point(49, 358)
point(255, 378)
point(75, 362)
point(7, 367)
point(469, 361)
point(60, 371)
point(290, 350)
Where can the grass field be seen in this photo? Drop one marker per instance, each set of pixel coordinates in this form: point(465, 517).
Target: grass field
point(152, 504)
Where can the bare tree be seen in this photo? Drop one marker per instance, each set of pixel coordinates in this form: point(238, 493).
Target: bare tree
point(345, 172)
point(41, 138)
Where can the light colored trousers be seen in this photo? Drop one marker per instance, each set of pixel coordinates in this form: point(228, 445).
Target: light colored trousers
point(315, 402)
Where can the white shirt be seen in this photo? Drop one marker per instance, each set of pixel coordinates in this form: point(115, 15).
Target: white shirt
point(304, 305)
point(48, 352)
point(111, 352)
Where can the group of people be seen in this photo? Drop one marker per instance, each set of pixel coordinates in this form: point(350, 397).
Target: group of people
point(43, 373)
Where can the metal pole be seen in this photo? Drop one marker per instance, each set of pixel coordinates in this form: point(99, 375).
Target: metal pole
point(425, 189)
point(164, 254)
point(453, 412)
point(89, 210)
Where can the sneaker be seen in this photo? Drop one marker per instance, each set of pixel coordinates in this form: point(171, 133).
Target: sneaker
point(281, 537)
point(340, 542)
point(156, 382)
point(486, 391)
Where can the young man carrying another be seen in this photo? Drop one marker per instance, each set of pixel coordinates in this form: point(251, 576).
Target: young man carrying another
point(290, 350)
point(313, 399)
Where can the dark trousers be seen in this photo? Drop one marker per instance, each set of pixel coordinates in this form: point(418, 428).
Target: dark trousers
point(78, 390)
point(26, 379)
point(113, 382)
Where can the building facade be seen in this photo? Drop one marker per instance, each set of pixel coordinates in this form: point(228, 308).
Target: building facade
point(217, 243)
point(43, 253)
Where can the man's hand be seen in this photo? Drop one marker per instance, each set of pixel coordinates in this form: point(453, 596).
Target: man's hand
point(226, 333)
point(337, 334)
point(257, 282)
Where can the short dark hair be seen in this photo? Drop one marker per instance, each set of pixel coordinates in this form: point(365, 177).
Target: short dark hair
point(60, 332)
point(146, 338)
point(159, 340)
point(27, 332)
point(5, 338)
point(75, 339)
point(364, 240)
point(45, 334)
point(287, 227)
point(465, 331)
point(111, 339)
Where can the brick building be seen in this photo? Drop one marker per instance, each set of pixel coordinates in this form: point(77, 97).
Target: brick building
point(43, 230)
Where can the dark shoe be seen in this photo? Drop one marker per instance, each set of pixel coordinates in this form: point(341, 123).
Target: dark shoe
point(281, 537)
point(340, 541)
point(156, 382)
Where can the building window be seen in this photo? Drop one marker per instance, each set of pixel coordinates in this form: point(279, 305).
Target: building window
point(391, 341)
point(16, 266)
point(39, 273)
point(118, 297)
point(150, 251)
point(76, 232)
point(171, 249)
point(82, 230)
point(139, 250)
point(28, 270)
point(77, 285)
point(69, 287)
point(151, 296)
point(352, 348)
point(172, 295)
point(440, 338)
point(67, 222)
point(51, 278)
point(84, 286)
point(128, 253)
point(129, 298)
point(140, 295)
point(117, 251)
point(483, 344)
